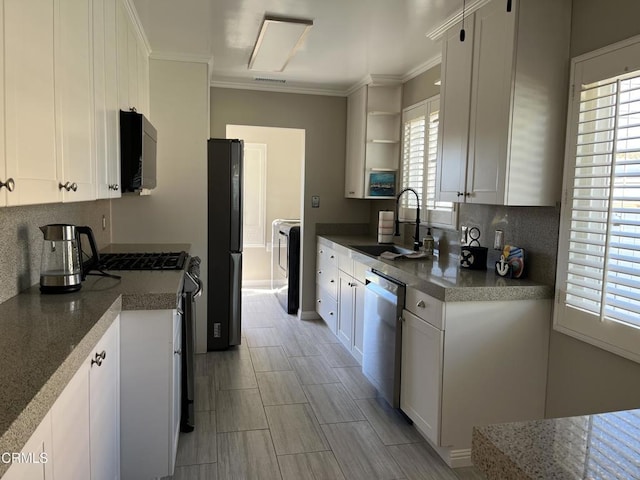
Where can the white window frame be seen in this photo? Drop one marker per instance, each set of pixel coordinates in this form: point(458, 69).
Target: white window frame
point(619, 338)
point(438, 217)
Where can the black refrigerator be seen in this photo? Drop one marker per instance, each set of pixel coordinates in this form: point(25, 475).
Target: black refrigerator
point(224, 186)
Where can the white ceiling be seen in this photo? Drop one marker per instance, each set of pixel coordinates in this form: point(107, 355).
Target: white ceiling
point(350, 39)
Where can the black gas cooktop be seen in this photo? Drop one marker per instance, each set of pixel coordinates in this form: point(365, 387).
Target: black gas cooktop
point(143, 261)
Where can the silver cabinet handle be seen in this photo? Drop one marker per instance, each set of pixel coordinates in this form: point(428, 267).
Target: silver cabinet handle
point(331, 313)
point(68, 186)
point(332, 256)
point(319, 301)
point(421, 304)
point(9, 184)
point(332, 281)
point(98, 358)
point(319, 272)
point(177, 352)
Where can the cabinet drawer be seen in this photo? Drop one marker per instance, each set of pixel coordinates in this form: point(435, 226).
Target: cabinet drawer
point(327, 307)
point(427, 308)
point(359, 271)
point(327, 278)
point(326, 257)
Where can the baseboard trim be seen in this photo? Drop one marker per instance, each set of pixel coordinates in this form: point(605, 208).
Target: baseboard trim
point(308, 315)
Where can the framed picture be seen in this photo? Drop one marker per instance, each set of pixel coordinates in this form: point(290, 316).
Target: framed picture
point(382, 184)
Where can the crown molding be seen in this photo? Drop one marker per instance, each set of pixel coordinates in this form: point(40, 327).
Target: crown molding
point(277, 88)
point(133, 14)
point(436, 33)
point(428, 65)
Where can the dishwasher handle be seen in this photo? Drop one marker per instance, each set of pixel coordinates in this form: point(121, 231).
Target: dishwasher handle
point(385, 282)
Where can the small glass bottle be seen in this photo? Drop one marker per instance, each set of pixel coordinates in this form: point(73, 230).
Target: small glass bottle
point(428, 243)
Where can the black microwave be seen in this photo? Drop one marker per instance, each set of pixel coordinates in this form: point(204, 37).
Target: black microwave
point(138, 144)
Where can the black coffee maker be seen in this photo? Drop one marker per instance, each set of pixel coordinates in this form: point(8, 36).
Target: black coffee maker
point(63, 267)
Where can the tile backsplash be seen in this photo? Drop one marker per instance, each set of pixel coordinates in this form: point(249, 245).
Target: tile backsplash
point(533, 228)
point(21, 239)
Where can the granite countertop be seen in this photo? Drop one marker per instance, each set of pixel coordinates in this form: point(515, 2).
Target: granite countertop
point(442, 278)
point(602, 446)
point(45, 338)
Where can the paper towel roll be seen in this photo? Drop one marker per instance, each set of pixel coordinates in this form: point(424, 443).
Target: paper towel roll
point(385, 238)
point(387, 215)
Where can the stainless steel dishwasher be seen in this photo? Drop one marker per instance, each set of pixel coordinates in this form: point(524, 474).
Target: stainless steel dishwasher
point(382, 346)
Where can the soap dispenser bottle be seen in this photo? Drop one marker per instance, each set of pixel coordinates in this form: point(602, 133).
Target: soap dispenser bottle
point(428, 243)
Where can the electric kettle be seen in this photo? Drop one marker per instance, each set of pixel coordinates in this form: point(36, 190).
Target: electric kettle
point(62, 268)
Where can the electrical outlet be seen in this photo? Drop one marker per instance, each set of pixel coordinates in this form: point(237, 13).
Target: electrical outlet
point(315, 201)
point(464, 230)
point(498, 240)
point(104, 222)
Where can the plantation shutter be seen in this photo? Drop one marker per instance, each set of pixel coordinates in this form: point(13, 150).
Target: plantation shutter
point(413, 150)
point(603, 268)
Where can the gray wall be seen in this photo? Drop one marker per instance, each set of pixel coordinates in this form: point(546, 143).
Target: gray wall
point(421, 87)
point(582, 378)
point(176, 210)
point(324, 119)
point(21, 240)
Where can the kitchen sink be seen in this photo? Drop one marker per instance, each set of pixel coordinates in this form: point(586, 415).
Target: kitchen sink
point(376, 250)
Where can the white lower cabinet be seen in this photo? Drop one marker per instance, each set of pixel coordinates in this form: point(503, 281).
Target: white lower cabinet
point(422, 348)
point(149, 393)
point(38, 463)
point(80, 435)
point(104, 406)
point(346, 308)
point(471, 363)
point(70, 420)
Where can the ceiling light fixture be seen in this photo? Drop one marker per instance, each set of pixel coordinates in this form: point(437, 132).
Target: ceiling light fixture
point(278, 41)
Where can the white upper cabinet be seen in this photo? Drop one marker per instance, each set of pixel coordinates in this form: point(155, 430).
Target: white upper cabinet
point(74, 99)
point(29, 113)
point(105, 82)
point(503, 104)
point(133, 64)
point(4, 181)
point(373, 141)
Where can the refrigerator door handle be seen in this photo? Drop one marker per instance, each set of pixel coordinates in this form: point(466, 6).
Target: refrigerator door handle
point(236, 299)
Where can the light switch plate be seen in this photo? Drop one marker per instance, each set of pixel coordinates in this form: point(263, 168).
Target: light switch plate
point(315, 201)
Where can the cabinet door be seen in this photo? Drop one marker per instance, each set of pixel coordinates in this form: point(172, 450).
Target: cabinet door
point(70, 428)
point(143, 80)
point(358, 321)
point(176, 389)
point(99, 98)
point(146, 353)
point(74, 98)
point(132, 53)
point(29, 102)
point(39, 445)
point(122, 42)
point(3, 170)
point(327, 308)
point(345, 309)
point(421, 380)
point(356, 134)
point(455, 98)
point(104, 406)
point(111, 98)
point(493, 62)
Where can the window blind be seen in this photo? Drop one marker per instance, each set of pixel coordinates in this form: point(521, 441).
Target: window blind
point(419, 156)
point(413, 150)
point(603, 266)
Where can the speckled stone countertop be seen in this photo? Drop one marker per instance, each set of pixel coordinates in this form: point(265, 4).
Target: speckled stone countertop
point(441, 277)
point(603, 446)
point(45, 338)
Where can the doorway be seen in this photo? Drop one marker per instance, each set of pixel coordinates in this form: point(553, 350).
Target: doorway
point(273, 175)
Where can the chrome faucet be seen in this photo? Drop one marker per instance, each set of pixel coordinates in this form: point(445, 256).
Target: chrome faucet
point(416, 238)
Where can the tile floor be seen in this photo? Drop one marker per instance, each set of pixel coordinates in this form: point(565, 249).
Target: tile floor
point(291, 404)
